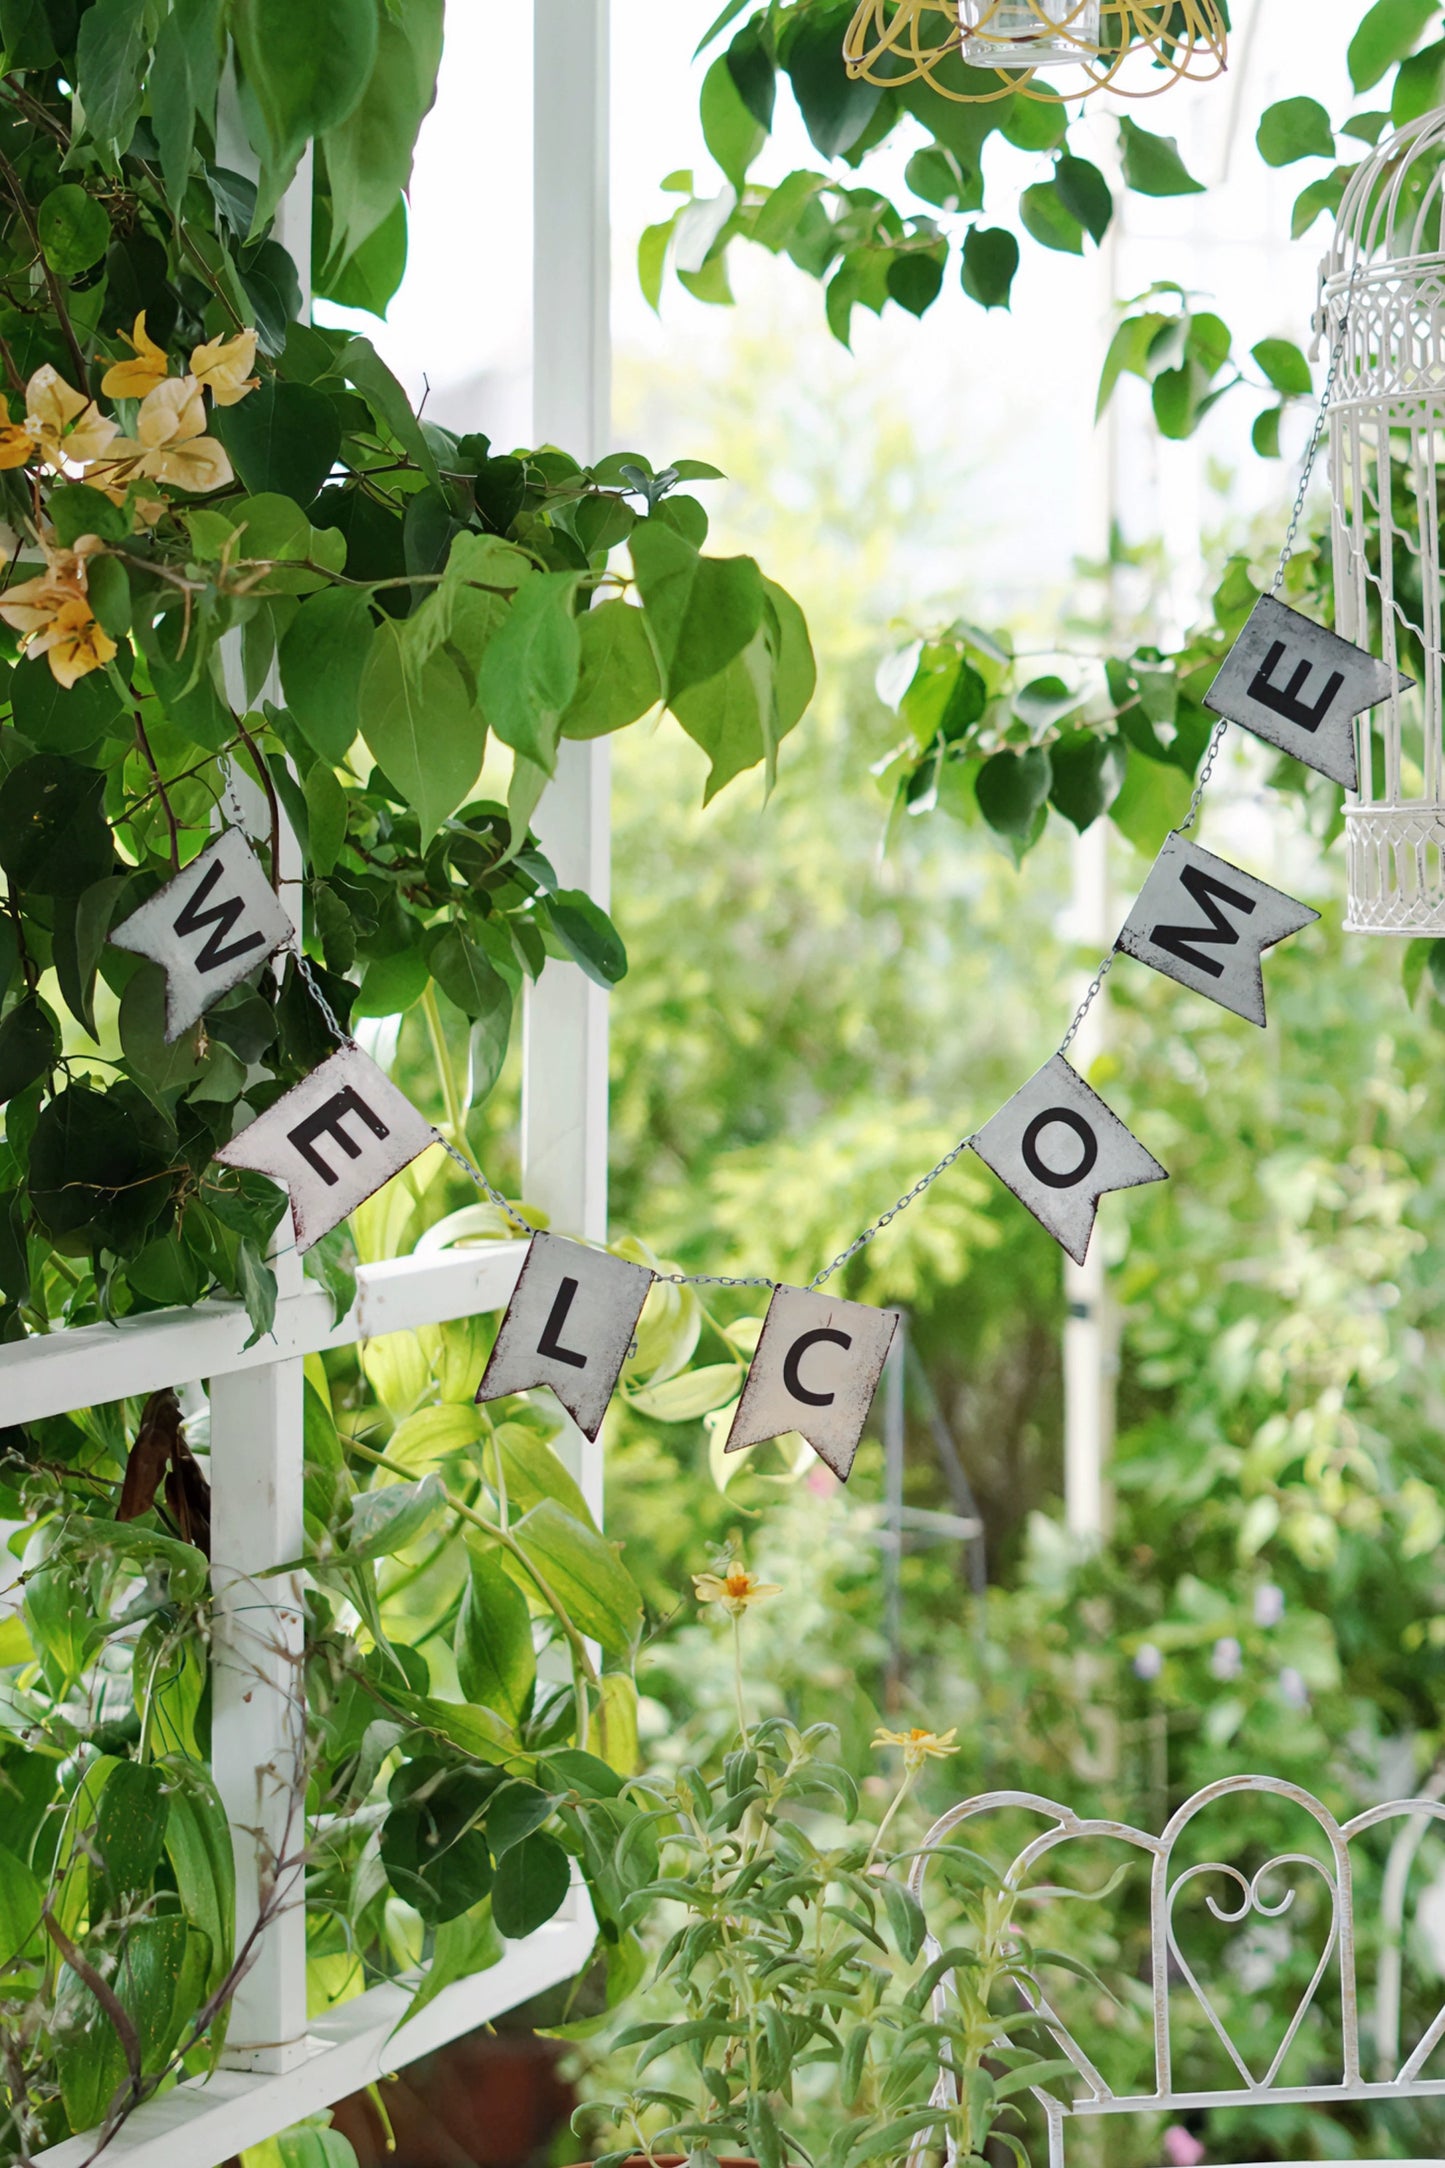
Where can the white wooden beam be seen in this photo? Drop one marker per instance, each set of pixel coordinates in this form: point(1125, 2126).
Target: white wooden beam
point(203, 2122)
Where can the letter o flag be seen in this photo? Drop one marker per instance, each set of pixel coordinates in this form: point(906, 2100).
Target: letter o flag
point(1060, 1149)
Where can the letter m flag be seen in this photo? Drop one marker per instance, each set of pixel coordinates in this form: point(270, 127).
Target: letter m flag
point(1201, 921)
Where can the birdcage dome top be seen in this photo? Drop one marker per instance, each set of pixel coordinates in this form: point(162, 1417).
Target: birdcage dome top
point(1393, 209)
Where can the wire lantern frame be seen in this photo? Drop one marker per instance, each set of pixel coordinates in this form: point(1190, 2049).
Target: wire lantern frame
point(1383, 285)
point(908, 41)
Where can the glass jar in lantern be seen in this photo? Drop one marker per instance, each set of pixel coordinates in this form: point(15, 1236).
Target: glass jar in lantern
point(1029, 33)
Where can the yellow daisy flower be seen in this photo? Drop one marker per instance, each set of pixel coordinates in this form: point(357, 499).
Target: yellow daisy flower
point(735, 1589)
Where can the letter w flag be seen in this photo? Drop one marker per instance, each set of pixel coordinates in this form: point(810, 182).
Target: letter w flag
point(1201, 921)
point(209, 928)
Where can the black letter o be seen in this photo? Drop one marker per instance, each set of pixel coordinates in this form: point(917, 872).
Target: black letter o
point(1036, 1165)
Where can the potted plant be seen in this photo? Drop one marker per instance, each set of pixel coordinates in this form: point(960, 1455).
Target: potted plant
point(794, 1990)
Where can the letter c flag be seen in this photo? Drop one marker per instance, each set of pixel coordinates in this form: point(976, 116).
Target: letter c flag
point(816, 1370)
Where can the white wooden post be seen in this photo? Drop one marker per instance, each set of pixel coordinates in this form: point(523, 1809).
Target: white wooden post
point(564, 1087)
point(258, 1718)
point(1089, 1357)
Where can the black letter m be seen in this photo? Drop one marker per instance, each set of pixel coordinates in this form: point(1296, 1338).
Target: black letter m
point(223, 916)
point(1180, 940)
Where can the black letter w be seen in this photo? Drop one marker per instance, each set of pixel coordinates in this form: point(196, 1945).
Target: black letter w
point(223, 916)
point(1178, 940)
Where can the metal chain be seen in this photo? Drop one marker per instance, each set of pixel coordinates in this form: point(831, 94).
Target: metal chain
point(475, 1174)
point(313, 987)
point(1317, 434)
point(1095, 988)
point(883, 1219)
point(708, 1279)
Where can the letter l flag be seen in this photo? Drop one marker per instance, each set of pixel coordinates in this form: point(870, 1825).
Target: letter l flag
point(1201, 921)
point(1300, 688)
point(816, 1370)
point(569, 1325)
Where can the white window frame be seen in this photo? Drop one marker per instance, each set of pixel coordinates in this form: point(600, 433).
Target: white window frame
point(278, 2067)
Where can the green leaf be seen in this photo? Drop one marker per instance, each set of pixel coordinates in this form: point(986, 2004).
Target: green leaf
point(1324, 194)
point(1152, 164)
point(198, 1846)
point(1389, 30)
point(165, 1066)
point(532, 1880)
point(61, 721)
point(54, 837)
point(110, 71)
point(149, 1982)
point(185, 73)
point(76, 509)
point(465, 1945)
point(305, 66)
point(130, 1828)
point(588, 935)
point(276, 531)
point(990, 259)
point(529, 669)
point(1295, 128)
point(1419, 84)
point(323, 655)
point(29, 1044)
point(1087, 775)
point(1152, 800)
point(531, 1471)
point(701, 611)
point(421, 727)
point(684, 1399)
point(585, 1574)
point(915, 279)
point(1085, 195)
point(905, 1917)
point(361, 365)
point(369, 156)
point(284, 438)
point(1013, 791)
point(496, 1664)
point(467, 975)
point(835, 106)
point(109, 592)
point(74, 230)
point(385, 1521)
point(1046, 216)
point(617, 678)
point(731, 132)
point(432, 1845)
point(1284, 366)
point(1264, 435)
point(21, 1903)
point(368, 278)
point(326, 817)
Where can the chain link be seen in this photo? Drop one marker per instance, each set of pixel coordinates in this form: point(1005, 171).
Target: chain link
point(708, 1279)
point(1095, 988)
point(909, 1197)
point(313, 987)
point(475, 1174)
point(1317, 434)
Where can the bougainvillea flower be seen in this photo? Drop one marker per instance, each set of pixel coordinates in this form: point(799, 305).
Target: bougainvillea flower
point(918, 1745)
point(74, 643)
point(68, 429)
point(16, 444)
point(736, 1589)
point(224, 366)
point(53, 616)
point(170, 444)
point(133, 379)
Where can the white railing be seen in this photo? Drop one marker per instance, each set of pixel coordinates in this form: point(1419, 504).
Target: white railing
point(278, 2066)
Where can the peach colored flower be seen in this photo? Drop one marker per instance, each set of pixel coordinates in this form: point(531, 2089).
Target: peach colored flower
point(170, 444)
point(133, 379)
point(74, 642)
point(68, 430)
point(52, 614)
point(735, 1589)
point(16, 445)
point(223, 367)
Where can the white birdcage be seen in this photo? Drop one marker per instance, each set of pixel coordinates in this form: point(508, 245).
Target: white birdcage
point(1384, 282)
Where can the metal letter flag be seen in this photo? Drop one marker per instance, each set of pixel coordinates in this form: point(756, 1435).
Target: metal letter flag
point(1201, 921)
point(332, 1141)
point(1060, 1149)
point(569, 1325)
point(209, 928)
point(816, 1370)
point(1300, 688)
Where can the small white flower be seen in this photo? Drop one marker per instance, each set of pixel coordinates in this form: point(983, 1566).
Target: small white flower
point(1148, 1663)
point(1292, 1688)
point(1226, 1658)
point(1268, 1604)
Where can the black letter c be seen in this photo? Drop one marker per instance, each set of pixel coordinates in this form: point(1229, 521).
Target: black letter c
point(1039, 1168)
point(794, 1356)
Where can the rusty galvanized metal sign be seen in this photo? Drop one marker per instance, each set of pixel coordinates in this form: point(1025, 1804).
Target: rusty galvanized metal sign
point(1300, 688)
point(209, 928)
point(332, 1141)
point(568, 1325)
point(1060, 1149)
point(816, 1370)
point(1201, 921)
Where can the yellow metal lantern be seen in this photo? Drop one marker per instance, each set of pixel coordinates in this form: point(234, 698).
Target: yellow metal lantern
point(901, 41)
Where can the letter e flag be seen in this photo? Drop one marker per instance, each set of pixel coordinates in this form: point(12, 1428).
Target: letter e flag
point(816, 1370)
point(569, 1325)
point(209, 928)
point(1300, 688)
point(1059, 1149)
point(332, 1141)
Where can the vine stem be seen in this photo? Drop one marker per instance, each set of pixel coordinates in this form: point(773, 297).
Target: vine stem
point(57, 298)
point(145, 745)
point(584, 1671)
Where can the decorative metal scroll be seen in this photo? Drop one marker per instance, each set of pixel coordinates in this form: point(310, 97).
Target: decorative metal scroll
point(1170, 1968)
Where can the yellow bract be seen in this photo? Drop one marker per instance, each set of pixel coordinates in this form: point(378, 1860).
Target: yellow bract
point(170, 444)
point(224, 367)
point(15, 444)
point(52, 614)
point(133, 379)
point(67, 429)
